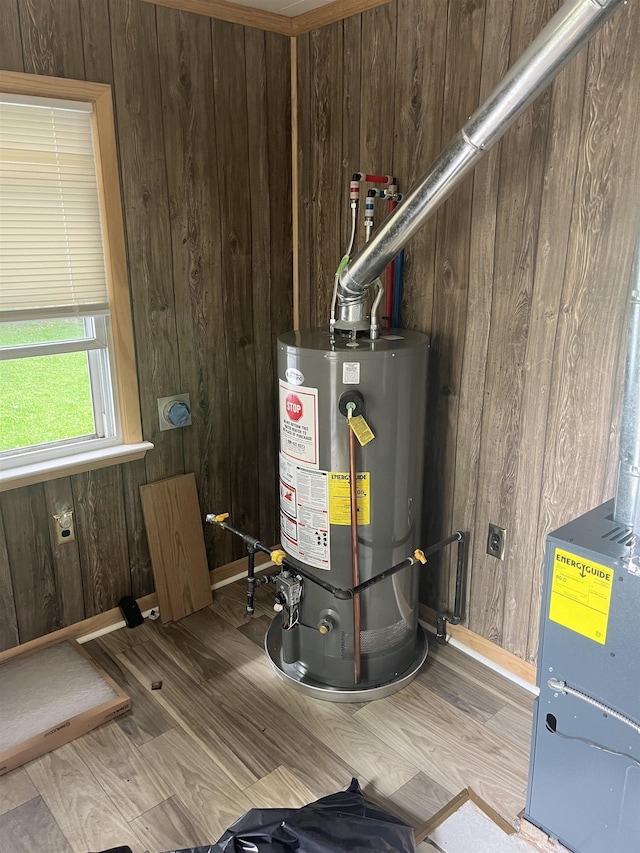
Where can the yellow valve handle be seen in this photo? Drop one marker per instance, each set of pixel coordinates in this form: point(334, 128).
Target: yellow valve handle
point(419, 555)
point(277, 557)
point(220, 518)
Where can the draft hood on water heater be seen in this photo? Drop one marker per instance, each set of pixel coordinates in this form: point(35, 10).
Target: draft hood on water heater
point(347, 586)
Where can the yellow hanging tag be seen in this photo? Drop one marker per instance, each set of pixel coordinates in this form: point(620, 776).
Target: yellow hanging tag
point(361, 429)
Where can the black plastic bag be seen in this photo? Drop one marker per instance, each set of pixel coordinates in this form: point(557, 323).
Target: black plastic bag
point(345, 822)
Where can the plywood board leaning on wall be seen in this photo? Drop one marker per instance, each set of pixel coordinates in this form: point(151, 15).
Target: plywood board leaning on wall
point(176, 543)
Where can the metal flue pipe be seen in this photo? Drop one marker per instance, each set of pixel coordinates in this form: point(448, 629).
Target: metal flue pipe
point(569, 29)
point(627, 503)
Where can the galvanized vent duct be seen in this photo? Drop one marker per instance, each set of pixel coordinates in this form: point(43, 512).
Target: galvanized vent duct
point(627, 505)
point(569, 29)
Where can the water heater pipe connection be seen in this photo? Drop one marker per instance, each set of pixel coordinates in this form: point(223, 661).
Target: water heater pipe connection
point(567, 31)
point(460, 536)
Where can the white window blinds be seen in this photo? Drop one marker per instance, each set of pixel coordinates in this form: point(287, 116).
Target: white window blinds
point(51, 249)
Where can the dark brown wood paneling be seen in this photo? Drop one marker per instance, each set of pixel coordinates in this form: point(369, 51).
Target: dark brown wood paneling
point(96, 41)
point(233, 151)
point(461, 93)
point(304, 203)
point(550, 261)
point(352, 82)
point(67, 572)
point(278, 65)
point(102, 542)
point(377, 93)
point(422, 30)
point(144, 189)
point(8, 620)
point(484, 210)
point(10, 37)
point(133, 476)
point(186, 74)
point(502, 464)
point(326, 173)
point(24, 516)
point(52, 37)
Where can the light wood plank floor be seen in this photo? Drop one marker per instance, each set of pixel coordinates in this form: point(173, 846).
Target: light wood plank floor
point(224, 735)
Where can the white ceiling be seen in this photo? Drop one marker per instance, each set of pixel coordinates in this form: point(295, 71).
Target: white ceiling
point(289, 8)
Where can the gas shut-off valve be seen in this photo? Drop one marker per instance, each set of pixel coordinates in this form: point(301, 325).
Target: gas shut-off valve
point(288, 595)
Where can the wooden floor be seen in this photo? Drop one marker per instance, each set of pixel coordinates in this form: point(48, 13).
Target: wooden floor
point(224, 735)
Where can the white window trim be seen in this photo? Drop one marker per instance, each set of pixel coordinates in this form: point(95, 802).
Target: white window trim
point(129, 444)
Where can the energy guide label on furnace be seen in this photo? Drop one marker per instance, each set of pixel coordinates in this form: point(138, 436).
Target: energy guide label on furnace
point(581, 595)
point(304, 513)
point(299, 423)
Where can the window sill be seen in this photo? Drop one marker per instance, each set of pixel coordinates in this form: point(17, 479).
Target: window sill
point(39, 472)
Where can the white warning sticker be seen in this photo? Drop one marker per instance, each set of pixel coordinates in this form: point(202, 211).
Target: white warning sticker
point(304, 513)
point(351, 373)
point(299, 423)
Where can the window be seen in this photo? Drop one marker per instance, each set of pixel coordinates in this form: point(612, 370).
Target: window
point(67, 378)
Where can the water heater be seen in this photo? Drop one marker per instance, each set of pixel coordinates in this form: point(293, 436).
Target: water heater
point(319, 374)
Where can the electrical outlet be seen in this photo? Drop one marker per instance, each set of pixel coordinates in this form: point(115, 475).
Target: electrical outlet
point(496, 541)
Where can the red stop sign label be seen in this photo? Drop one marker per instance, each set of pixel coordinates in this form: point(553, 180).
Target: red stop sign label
point(293, 406)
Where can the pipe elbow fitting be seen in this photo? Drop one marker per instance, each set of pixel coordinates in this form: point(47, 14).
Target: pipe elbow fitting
point(348, 284)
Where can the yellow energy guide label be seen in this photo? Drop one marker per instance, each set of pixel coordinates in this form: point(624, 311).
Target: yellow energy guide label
point(339, 498)
point(581, 595)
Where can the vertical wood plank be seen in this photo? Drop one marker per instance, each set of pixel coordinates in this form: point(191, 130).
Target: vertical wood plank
point(378, 92)
point(133, 476)
point(464, 50)
point(261, 241)
point(587, 373)
point(503, 459)
point(495, 60)
point(278, 65)
point(232, 151)
point(29, 552)
point(351, 103)
point(565, 120)
point(186, 76)
point(10, 37)
point(422, 32)
point(174, 530)
point(102, 543)
point(52, 38)
point(144, 184)
point(8, 619)
point(326, 110)
point(305, 166)
point(67, 572)
point(96, 40)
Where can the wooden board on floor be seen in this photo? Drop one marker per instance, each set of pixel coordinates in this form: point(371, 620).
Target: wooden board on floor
point(176, 543)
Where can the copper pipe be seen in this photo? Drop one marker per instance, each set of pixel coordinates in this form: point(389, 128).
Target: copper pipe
point(353, 496)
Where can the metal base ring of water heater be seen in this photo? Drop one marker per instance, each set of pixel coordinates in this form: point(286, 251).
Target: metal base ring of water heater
point(291, 676)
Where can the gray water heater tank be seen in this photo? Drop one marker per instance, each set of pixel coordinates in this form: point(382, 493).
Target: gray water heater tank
point(315, 371)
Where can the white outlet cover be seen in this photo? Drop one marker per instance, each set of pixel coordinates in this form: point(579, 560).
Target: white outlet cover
point(163, 402)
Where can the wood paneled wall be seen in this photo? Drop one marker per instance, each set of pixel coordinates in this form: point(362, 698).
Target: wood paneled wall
point(521, 278)
point(203, 115)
